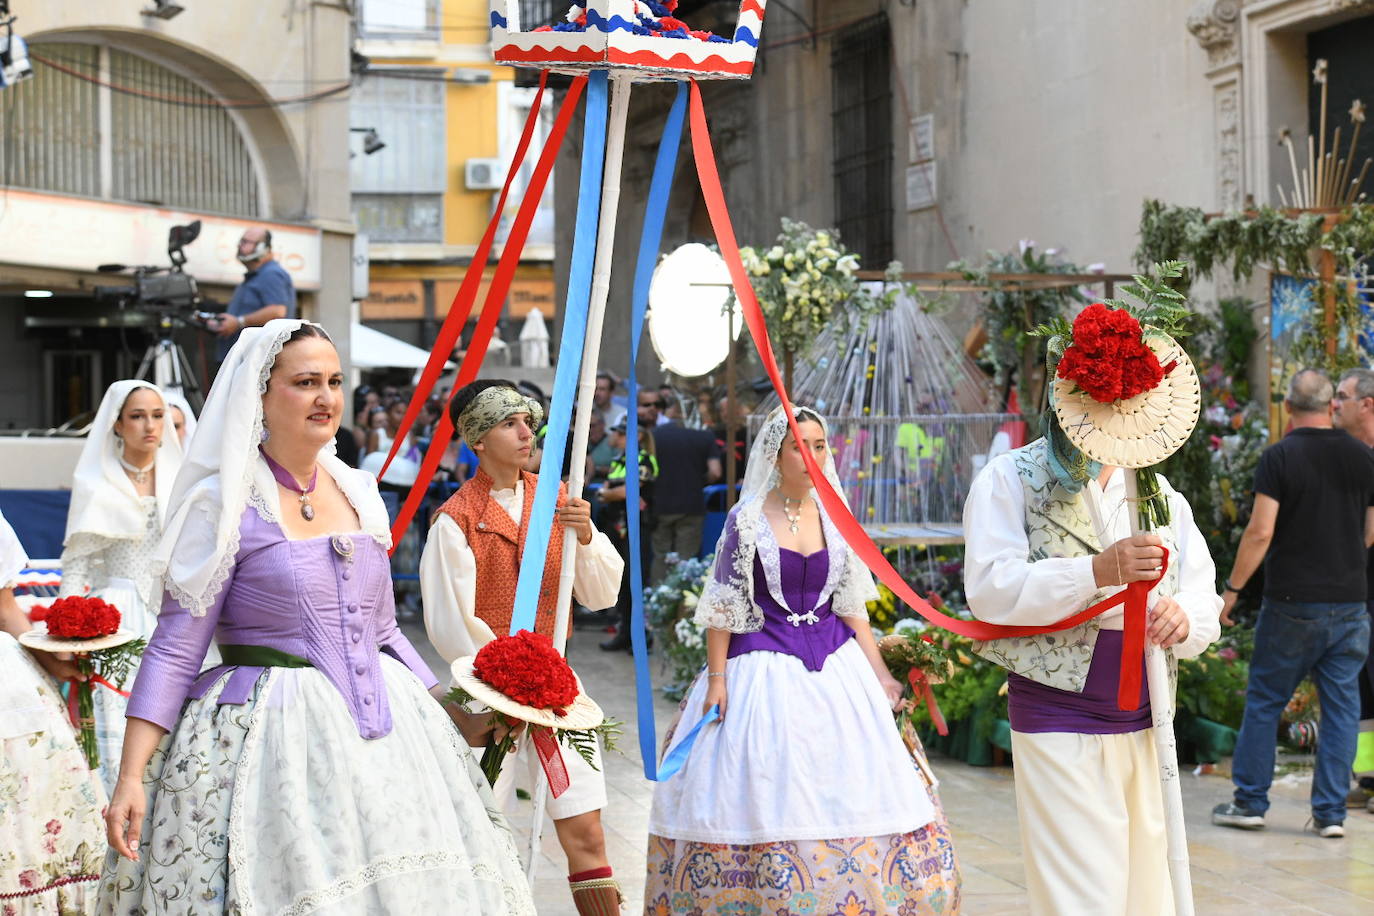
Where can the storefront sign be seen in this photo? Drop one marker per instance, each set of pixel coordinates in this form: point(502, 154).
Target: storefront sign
point(73, 233)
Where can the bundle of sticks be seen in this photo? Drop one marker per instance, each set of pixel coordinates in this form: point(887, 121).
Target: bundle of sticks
point(1325, 182)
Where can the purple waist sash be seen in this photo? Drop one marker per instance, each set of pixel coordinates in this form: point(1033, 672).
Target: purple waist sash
point(1034, 707)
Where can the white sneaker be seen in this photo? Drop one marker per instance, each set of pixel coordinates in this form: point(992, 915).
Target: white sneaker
point(1331, 830)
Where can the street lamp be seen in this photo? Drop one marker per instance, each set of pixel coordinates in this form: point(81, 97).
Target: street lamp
point(371, 142)
point(163, 9)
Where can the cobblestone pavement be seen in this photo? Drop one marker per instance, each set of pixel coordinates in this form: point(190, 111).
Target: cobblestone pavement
point(1279, 870)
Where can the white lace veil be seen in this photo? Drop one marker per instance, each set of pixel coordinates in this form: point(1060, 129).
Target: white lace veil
point(727, 600)
point(223, 473)
point(105, 506)
point(12, 556)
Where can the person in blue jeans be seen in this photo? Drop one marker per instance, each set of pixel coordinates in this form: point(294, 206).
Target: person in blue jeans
point(1311, 527)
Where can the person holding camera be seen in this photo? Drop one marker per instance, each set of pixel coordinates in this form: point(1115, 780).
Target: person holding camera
point(266, 292)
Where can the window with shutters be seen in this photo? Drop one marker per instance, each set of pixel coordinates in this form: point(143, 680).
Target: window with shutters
point(398, 191)
point(102, 122)
point(861, 81)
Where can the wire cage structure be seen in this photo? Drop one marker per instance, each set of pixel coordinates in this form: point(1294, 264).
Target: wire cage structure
point(610, 34)
point(909, 421)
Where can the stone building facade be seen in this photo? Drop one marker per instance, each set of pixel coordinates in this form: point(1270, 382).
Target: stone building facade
point(1049, 120)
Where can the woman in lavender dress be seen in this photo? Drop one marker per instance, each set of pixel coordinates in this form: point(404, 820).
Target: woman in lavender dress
point(312, 772)
point(803, 798)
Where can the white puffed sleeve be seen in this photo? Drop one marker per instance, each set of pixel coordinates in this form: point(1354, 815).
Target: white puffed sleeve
point(597, 569)
point(1002, 584)
point(448, 584)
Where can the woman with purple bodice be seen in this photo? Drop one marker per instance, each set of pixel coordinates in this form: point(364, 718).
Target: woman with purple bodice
point(803, 797)
point(314, 770)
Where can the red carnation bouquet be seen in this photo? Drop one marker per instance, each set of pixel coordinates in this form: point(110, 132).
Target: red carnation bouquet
point(528, 669)
point(526, 681)
point(1109, 359)
point(88, 628)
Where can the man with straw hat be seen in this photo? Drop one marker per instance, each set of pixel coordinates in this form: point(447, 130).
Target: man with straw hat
point(1057, 526)
point(468, 575)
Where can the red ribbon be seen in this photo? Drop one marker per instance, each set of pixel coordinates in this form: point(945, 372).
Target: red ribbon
point(921, 685)
point(491, 308)
point(849, 527)
point(73, 711)
point(551, 759)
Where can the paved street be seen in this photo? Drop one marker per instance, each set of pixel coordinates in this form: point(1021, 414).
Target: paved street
point(1280, 870)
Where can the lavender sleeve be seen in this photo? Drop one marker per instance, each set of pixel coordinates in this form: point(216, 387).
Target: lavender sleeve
point(172, 661)
point(391, 639)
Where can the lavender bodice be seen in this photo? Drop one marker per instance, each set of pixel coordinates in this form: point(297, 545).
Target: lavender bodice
point(327, 599)
point(803, 629)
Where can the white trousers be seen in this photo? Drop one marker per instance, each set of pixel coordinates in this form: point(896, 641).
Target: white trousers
point(586, 786)
point(1092, 824)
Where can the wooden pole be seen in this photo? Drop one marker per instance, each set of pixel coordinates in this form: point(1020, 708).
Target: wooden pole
point(731, 469)
point(1162, 714)
point(1326, 270)
point(586, 388)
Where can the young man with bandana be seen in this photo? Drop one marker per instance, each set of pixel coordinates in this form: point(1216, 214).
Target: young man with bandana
point(468, 574)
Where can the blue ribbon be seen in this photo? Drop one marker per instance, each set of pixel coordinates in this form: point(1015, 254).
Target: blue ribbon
point(536, 551)
point(655, 213)
point(677, 756)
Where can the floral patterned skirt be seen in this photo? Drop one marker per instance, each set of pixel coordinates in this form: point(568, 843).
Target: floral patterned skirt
point(52, 837)
point(907, 874)
point(279, 806)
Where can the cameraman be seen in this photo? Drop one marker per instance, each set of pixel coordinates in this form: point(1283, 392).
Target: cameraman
point(266, 292)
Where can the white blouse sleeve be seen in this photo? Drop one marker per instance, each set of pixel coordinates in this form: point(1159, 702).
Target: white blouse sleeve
point(1002, 584)
point(596, 573)
point(448, 585)
point(1197, 582)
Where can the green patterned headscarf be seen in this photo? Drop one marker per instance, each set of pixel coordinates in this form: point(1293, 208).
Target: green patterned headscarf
point(492, 406)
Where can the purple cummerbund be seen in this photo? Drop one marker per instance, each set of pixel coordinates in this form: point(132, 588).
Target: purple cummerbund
point(802, 579)
point(1034, 707)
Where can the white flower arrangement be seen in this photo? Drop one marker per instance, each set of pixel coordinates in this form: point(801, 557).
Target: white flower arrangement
point(804, 281)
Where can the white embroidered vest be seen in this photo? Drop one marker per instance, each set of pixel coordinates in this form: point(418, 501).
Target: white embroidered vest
point(1058, 525)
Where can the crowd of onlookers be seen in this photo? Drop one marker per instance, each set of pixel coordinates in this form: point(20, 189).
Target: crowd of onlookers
point(684, 442)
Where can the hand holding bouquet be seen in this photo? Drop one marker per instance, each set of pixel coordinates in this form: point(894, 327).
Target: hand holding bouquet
point(88, 628)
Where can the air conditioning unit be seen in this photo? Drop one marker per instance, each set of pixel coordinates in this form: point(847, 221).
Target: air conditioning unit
point(482, 174)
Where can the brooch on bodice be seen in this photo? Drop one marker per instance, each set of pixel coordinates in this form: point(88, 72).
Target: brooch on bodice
point(798, 619)
point(343, 546)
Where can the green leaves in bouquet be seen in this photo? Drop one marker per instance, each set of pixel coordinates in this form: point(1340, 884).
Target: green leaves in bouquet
point(1159, 306)
point(584, 740)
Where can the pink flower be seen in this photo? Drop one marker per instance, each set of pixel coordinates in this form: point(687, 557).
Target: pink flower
point(28, 879)
point(1227, 653)
point(53, 826)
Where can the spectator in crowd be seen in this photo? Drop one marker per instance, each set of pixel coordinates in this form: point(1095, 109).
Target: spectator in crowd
point(670, 405)
point(600, 449)
point(741, 438)
point(614, 520)
point(266, 291)
point(1353, 411)
point(688, 460)
point(1311, 526)
point(611, 412)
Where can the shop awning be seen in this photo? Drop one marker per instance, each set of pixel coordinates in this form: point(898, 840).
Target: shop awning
point(372, 349)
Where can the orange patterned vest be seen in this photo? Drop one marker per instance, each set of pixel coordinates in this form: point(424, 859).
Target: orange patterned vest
point(496, 547)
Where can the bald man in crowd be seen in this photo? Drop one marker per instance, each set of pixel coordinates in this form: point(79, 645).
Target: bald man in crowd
point(266, 291)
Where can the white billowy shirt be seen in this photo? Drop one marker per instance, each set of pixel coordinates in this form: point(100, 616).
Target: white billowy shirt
point(1003, 586)
point(448, 579)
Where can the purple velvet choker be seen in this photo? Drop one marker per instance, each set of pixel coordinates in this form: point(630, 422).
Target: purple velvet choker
point(283, 477)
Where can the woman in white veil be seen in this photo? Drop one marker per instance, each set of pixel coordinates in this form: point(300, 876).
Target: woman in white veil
point(313, 771)
point(805, 767)
point(120, 495)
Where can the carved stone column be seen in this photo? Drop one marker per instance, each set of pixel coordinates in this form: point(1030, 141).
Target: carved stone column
point(1215, 24)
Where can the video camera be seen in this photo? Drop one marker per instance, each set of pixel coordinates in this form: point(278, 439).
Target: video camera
point(168, 291)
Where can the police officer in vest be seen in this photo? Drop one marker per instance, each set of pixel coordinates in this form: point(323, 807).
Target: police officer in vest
point(614, 521)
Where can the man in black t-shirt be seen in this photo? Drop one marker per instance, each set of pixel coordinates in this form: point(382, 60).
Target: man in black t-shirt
point(1310, 526)
point(1353, 411)
point(688, 460)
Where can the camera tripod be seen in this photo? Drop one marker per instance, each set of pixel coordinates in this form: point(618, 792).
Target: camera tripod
point(166, 366)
